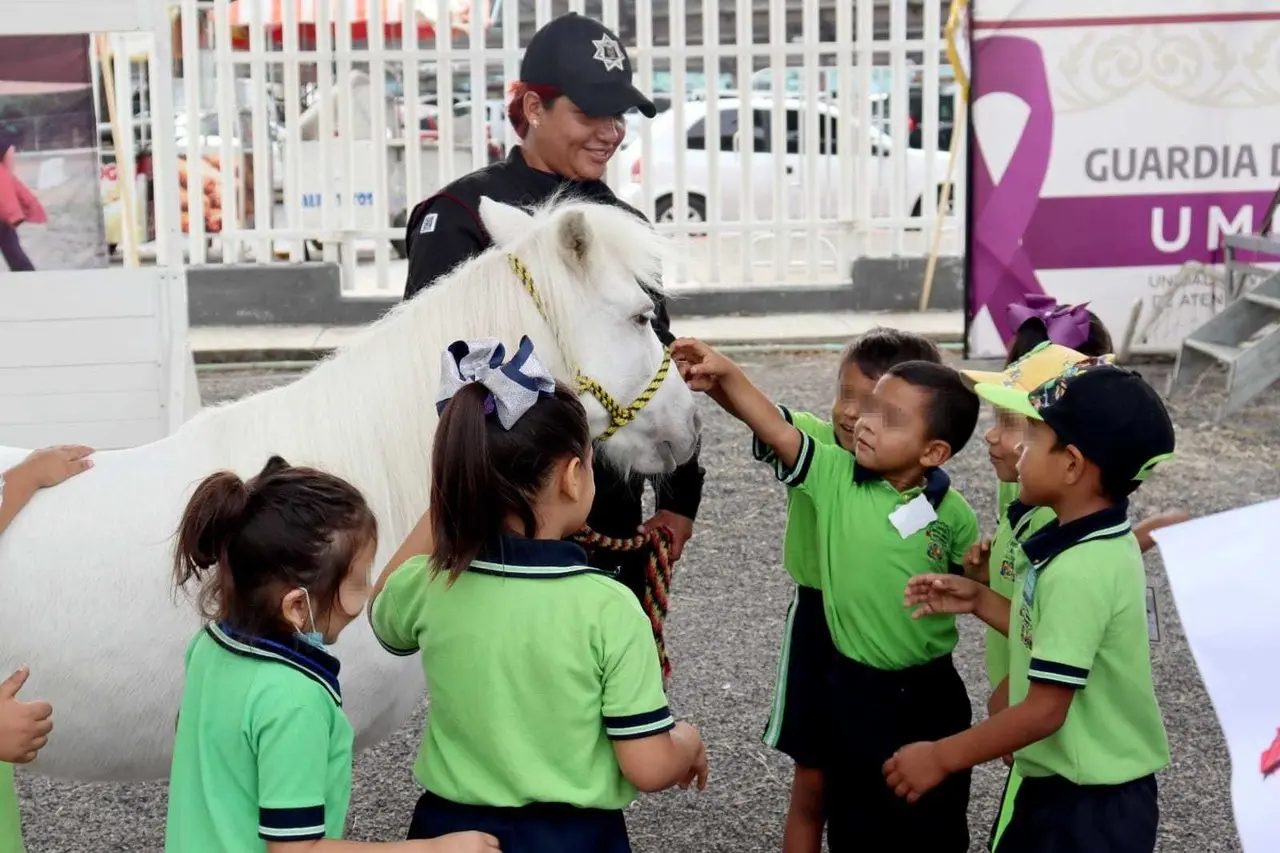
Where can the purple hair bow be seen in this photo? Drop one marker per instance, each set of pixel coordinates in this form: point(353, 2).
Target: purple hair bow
point(1066, 325)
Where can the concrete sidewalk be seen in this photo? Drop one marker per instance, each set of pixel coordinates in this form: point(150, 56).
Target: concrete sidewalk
point(248, 343)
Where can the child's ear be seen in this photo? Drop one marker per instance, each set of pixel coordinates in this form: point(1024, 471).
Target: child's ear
point(571, 478)
point(936, 453)
point(1076, 464)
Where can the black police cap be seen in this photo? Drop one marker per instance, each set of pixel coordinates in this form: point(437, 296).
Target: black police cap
point(583, 59)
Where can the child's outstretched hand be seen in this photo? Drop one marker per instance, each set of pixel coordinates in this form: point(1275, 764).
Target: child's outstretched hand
point(914, 770)
point(700, 366)
point(50, 466)
point(1144, 528)
point(977, 561)
point(938, 593)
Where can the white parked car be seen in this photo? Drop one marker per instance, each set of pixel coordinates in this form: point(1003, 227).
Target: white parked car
point(659, 161)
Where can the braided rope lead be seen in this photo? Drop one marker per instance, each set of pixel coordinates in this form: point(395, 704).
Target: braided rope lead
point(657, 577)
point(619, 415)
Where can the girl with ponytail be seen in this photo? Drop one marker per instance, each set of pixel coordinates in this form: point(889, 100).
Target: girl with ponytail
point(262, 759)
point(547, 705)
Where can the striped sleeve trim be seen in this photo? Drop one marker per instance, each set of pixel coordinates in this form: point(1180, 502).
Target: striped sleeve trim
point(304, 824)
point(762, 452)
point(639, 725)
point(373, 623)
point(796, 474)
point(1057, 673)
point(403, 653)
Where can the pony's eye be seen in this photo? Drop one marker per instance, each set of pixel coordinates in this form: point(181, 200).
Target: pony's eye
point(642, 319)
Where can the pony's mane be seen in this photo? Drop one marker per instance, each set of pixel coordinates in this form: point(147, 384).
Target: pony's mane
point(381, 387)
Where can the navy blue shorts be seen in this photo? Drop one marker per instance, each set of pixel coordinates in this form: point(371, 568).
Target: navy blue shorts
point(537, 828)
point(798, 714)
point(1053, 815)
point(874, 713)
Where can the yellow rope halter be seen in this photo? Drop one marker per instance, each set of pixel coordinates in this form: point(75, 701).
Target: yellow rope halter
point(619, 415)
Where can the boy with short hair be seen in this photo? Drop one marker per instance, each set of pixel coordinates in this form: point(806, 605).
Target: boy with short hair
point(1017, 521)
point(1077, 625)
point(881, 515)
point(797, 712)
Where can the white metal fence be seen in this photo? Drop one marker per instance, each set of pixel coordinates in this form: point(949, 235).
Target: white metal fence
point(785, 154)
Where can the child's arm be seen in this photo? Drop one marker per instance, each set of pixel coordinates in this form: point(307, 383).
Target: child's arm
point(937, 593)
point(706, 370)
point(999, 699)
point(40, 470)
point(919, 767)
point(1143, 529)
point(654, 752)
point(418, 542)
point(675, 757)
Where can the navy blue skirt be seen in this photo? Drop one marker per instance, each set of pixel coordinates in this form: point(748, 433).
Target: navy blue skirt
point(535, 828)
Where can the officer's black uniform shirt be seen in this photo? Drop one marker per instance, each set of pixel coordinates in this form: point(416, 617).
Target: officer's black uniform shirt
point(445, 230)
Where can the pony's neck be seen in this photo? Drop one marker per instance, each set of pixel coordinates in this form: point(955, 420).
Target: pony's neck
point(369, 412)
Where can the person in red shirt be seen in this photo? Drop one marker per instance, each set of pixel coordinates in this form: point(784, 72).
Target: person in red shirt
point(17, 205)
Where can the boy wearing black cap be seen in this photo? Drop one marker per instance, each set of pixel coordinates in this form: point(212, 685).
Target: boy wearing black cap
point(1077, 626)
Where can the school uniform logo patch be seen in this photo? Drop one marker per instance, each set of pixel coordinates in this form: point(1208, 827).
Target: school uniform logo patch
point(1006, 567)
point(939, 537)
point(1024, 617)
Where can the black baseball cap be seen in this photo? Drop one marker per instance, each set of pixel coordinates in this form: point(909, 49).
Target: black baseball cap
point(1116, 420)
point(583, 59)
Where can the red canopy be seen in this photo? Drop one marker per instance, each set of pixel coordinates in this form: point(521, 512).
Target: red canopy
point(356, 11)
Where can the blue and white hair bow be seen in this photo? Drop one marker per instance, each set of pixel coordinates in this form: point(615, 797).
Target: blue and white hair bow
point(514, 387)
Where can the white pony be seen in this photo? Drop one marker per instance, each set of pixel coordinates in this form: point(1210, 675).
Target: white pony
point(86, 595)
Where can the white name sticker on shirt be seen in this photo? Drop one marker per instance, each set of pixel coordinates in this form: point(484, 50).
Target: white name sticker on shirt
point(913, 516)
point(1153, 617)
point(428, 223)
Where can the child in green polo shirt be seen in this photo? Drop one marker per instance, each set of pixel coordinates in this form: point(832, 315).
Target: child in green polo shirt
point(1093, 434)
point(797, 713)
point(262, 758)
point(883, 514)
point(1059, 336)
point(25, 726)
point(547, 710)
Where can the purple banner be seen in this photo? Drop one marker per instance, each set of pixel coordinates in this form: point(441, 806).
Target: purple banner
point(1015, 232)
point(1138, 230)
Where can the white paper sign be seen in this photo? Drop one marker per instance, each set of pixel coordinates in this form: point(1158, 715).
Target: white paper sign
point(913, 516)
point(1222, 571)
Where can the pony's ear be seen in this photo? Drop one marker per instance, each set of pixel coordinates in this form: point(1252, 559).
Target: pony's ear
point(574, 237)
point(505, 223)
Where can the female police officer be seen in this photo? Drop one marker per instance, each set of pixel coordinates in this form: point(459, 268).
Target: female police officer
point(575, 85)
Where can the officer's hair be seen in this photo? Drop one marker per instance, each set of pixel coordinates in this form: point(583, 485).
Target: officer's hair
point(515, 103)
point(1033, 333)
point(875, 351)
point(482, 474)
point(284, 529)
point(953, 408)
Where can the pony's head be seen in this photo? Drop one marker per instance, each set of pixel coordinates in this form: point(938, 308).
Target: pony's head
point(589, 266)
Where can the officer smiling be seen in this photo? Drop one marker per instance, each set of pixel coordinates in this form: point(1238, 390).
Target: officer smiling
point(567, 108)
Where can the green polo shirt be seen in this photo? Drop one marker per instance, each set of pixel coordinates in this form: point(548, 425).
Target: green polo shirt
point(1080, 617)
point(10, 820)
point(1017, 522)
point(535, 663)
point(800, 543)
point(263, 749)
point(866, 562)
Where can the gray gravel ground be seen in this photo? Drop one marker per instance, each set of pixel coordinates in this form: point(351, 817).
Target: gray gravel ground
point(730, 597)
